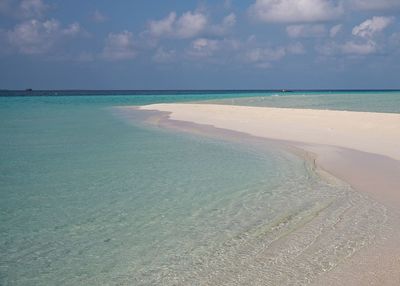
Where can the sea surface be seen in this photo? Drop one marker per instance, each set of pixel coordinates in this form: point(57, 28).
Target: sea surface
point(90, 196)
point(366, 101)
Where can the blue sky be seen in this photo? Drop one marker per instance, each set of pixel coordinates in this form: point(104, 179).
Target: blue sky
point(220, 44)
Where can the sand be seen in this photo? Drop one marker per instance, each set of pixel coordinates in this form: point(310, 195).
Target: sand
point(360, 148)
point(377, 133)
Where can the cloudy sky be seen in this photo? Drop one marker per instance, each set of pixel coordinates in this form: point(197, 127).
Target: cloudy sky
point(189, 44)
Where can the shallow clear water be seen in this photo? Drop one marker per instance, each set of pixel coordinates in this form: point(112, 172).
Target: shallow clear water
point(90, 198)
point(372, 101)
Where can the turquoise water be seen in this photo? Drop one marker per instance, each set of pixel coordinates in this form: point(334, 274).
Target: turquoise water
point(371, 101)
point(89, 197)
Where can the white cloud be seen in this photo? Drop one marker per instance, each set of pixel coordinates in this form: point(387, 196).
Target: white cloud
point(370, 27)
point(354, 48)
point(39, 37)
point(296, 49)
point(98, 17)
point(202, 47)
point(350, 48)
point(262, 57)
point(162, 27)
point(376, 4)
point(295, 11)
point(335, 30)
point(32, 8)
point(328, 49)
point(365, 41)
point(201, 44)
point(228, 23)
point(25, 9)
point(164, 56)
point(188, 25)
point(119, 47)
point(72, 29)
point(214, 50)
point(306, 31)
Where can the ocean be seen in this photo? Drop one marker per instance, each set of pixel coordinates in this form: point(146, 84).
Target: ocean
point(90, 196)
point(366, 101)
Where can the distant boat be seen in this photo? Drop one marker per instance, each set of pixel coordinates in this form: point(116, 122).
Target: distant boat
point(29, 89)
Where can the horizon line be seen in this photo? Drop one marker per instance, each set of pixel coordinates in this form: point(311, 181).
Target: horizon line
point(202, 90)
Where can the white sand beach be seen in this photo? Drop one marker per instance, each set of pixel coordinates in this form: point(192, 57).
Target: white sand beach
point(360, 148)
point(377, 133)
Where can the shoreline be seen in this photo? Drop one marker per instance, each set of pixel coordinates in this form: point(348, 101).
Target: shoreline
point(373, 174)
point(374, 165)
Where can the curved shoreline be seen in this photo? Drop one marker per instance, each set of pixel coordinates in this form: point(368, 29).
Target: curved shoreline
point(362, 149)
point(335, 165)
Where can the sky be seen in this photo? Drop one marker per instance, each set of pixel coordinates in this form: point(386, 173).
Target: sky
point(200, 44)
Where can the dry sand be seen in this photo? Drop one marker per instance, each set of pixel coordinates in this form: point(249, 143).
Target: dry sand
point(360, 148)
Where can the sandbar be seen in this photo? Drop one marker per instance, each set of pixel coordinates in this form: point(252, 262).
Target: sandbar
point(359, 148)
